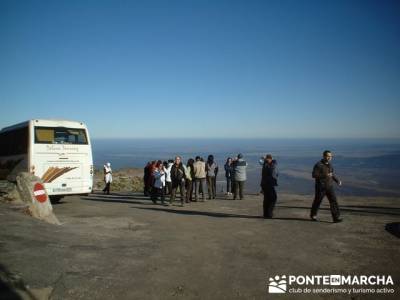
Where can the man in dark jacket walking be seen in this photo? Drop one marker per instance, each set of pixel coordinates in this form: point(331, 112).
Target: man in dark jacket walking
point(269, 180)
point(324, 178)
point(178, 180)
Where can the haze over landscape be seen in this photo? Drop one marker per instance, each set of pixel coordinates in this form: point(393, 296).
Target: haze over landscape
point(367, 167)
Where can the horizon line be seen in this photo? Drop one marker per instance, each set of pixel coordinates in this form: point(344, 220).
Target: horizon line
point(253, 138)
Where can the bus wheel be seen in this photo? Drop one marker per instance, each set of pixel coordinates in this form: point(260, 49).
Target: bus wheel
point(55, 199)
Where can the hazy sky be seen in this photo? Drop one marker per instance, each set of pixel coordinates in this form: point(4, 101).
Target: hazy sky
point(196, 68)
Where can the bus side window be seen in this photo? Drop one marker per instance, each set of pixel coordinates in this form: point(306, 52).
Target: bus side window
point(71, 139)
point(81, 138)
point(44, 135)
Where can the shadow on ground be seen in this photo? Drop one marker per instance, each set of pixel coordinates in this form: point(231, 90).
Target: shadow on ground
point(393, 228)
point(355, 209)
point(145, 200)
point(117, 198)
point(218, 214)
point(128, 198)
point(9, 283)
point(199, 213)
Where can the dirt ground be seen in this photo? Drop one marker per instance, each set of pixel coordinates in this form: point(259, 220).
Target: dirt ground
point(122, 246)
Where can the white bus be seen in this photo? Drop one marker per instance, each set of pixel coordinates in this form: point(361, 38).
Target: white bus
point(57, 151)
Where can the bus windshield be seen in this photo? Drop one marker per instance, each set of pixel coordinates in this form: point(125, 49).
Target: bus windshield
point(60, 135)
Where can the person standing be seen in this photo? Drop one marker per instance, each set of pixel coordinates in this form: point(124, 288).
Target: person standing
point(107, 178)
point(215, 180)
point(189, 172)
point(159, 183)
point(269, 180)
point(199, 170)
point(167, 170)
point(146, 176)
point(228, 175)
point(177, 180)
point(151, 177)
point(211, 175)
point(240, 167)
point(324, 176)
point(233, 184)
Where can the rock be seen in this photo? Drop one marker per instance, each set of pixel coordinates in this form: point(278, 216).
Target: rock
point(9, 192)
point(38, 201)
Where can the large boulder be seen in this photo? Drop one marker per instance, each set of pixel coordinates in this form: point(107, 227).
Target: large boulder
point(32, 192)
point(9, 192)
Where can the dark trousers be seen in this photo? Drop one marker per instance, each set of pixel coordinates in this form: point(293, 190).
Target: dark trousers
point(228, 185)
point(107, 188)
point(189, 190)
point(211, 185)
point(168, 185)
point(175, 186)
point(199, 187)
point(239, 188)
point(158, 192)
point(146, 190)
point(269, 201)
point(320, 193)
point(202, 187)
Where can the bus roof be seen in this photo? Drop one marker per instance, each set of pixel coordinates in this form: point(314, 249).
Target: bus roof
point(46, 122)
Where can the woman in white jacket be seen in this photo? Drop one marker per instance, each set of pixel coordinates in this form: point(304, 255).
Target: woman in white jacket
point(107, 177)
point(167, 171)
point(159, 183)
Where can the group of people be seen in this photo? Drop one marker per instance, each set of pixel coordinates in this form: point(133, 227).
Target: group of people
point(163, 178)
point(197, 176)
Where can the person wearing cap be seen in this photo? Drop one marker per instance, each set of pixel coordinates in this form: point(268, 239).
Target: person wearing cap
point(239, 168)
point(269, 180)
point(107, 178)
point(324, 177)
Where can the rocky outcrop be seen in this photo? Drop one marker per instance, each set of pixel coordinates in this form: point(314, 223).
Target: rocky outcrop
point(9, 192)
